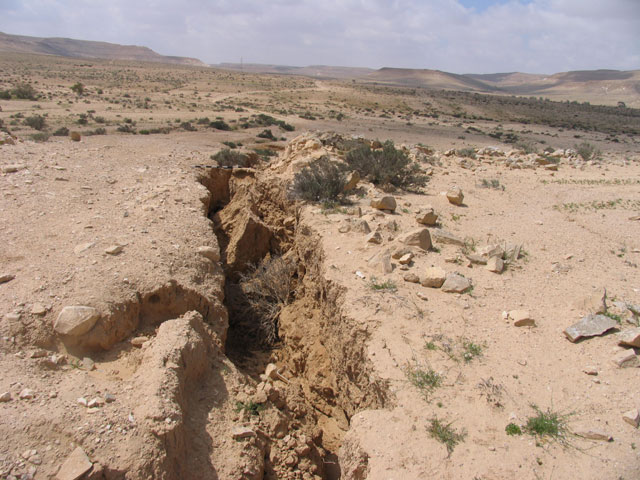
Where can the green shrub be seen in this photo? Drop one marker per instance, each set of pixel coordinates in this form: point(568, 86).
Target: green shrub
point(61, 132)
point(78, 88)
point(37, 122)
point(268, 134)
point(387, 166)
point(188, 127)
point(24, 91)
point(444, 433)
point(587, 151)
point(100, 131)
point(229, 158)
point(5, 95)
point(39, 137)
point(320, 181)
point(231, 145)
point(220, 125)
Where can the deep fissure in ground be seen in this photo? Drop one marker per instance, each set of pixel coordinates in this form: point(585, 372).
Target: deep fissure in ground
point(281, 310)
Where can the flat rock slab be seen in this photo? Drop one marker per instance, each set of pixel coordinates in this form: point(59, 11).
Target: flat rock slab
point(75, 466)
point(418, 238)
point(6, 277)
point(595, 434)
point(590, 326)
point(442, 236)
point(384, 203)
point(456, 283)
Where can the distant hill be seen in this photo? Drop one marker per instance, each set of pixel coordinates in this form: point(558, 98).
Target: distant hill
point(67, 47)
point(315, 71)
point(427, 78)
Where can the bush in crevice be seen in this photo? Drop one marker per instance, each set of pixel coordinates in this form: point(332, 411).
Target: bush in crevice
point(231, 158)
point(259, 297)
point(320, 181)
point(386, 166)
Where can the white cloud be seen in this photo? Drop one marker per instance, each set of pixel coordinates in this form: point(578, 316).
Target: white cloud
point(535, 36)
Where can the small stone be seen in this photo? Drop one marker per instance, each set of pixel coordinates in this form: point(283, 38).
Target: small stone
point(95, 402)
point(6, 277)
point(139, 341)
point(630, 338)
point(400, 252)
point(434, 277)
point(88, 364)
point(418, 238)
point(594, 434)
point(477, 259)
point(385, 263)
point(271, 371)
point(82, 401)
point(239, 433)
point(632, 417)
point(422, 296)
point(590, 326)
point(384, 203)
point(455, 196)
point(489, 251)
point(5, 397)
point(427, 217)
point(456, 283)
point(83, 247)
point(109, 398)
point(375, 238)
point(75, 466)
point(361, 226)
point(406, 259)
point(210, 253)
point(411, 278)
point(38, 309)
point(495, 265)
point(38, 354)
point(591, 371)
point(626, 359)
point(344, 228)
point(114, 249)
point(26, 394)
point(522, 318)
point(76, 320)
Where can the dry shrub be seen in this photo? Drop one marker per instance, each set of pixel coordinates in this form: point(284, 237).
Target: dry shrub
point(259, 297)
point(75, 136)
point(320, 181)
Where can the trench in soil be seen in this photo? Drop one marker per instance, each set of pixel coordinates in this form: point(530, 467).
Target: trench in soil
point(317, 348)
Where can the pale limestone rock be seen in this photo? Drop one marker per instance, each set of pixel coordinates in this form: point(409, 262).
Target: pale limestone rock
point(495, 264)
point(630, 338)
point(590, 326)
point(418, 238)
point(626, 359)
point(455, 196)
point(521, 318)
point(114, 249)
point(427, 216)
point(375, 238)
point(456, 283)
point(411, 278)
point(384, 203)
point(434, 277)
point(632, 417)
point(406, 259)
point(75, 321)
point(442, 236)
point(354, 179)
point(75, 466)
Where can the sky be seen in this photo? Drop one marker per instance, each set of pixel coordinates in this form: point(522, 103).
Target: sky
point(459, 36)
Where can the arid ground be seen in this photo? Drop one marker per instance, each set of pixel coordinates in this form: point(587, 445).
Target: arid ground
point(133, 269)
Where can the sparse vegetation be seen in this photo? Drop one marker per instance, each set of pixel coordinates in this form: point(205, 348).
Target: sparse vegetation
point(322, 180)
point(386, 166)
point(78, 89)
point(513, 429)
point(252, 408)
point(587, 151)
point(230, 158)
point(37, 122)
point(424, 380)
point(61, 132)
point(24, 91)
point(446, 434)
point(389, 285)
point(470, 351)
point(493, 183)
point(547, 424)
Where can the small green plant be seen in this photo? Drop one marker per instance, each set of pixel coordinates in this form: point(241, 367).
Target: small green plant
point(613, 316)
point(389, 285)
point(446, 434)
point(320, 181)
point(547, 424)
point(513, 429)
point(424, 380)
point(252, 408)
point(430, 346)
point(587, 151)
point(470, 351)
point(493, 183)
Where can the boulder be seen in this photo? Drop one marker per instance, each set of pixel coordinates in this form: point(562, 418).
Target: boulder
point(384, 203)
point(406, 259)
point(434, 277)
point(75, 321)
point(411, 278)
point(456, 283)
point(455, 196)
point(590, 326)
point(427, 216)
point(418, 238)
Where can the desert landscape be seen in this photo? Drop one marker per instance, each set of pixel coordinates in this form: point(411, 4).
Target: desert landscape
point(315, 273)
